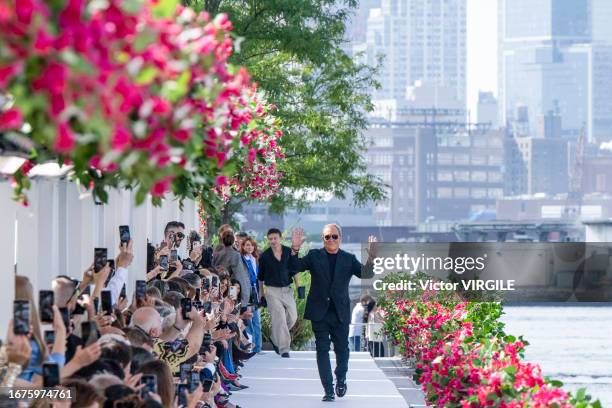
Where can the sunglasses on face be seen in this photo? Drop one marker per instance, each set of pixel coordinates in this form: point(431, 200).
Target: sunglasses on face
point(332, 236)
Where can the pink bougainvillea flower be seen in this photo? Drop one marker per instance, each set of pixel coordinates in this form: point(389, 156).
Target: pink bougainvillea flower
point(64, 141)
point(121, 139)
point(221, 180)
point(11, 119)
point(161, 187)
point(24, 10)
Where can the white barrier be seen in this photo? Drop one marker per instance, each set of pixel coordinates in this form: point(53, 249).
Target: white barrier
point(57, 232)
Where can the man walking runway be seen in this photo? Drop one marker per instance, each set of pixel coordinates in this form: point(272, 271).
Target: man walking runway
point(327, 306)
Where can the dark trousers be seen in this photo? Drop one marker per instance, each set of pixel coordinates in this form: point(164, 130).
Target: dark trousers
point(331, 330)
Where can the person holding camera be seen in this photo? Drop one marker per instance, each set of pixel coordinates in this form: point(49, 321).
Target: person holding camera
point(276, 292)
point(327, 306)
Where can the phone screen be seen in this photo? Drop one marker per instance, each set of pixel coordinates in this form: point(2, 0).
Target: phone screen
point(233, 292)
point(186, 307)
point(185, 370)
point(124, 234)
point(194, 381)
point(163, 262)
point(51, 376)
point(123, 294)
point(65, 316)
point(21, 317)
point(49, 337)
point(206, 284)
point(181, 392)
point(89, 333)
point(207, 306)
point(100, 258)
point(215, 281)
point(150, 384)
point(141, 289)
point(198, 294)
point(107, 303)
point(206, 385)
point(45, 305)
point(173, 256)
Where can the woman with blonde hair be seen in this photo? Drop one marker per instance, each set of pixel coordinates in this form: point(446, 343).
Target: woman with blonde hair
point(40, 354)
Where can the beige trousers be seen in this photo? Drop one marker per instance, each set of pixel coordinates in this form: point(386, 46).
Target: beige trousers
point(283, 315)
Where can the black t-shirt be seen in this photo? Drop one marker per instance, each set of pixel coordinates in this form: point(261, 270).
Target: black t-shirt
point(331, 260)
point(274, 272)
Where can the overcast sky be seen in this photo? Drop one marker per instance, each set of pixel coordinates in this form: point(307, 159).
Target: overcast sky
point(481, 50)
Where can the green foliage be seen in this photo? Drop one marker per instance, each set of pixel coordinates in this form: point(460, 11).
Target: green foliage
point(293, 50)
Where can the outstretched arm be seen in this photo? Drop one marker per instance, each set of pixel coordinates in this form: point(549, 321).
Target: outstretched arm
point(366, 271)
point(297, 264)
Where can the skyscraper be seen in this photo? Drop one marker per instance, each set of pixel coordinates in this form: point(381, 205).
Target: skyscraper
point(549, 62)
point(419, 40)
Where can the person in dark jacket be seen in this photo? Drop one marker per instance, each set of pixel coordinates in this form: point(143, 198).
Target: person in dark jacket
point(328, 303)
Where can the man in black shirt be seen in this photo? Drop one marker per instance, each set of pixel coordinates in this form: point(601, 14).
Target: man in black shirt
point(331, 270)
point(275, 274)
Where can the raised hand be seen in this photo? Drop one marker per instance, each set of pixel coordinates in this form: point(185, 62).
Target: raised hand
point(372, 247)
point(126, 255)
point(298, 237)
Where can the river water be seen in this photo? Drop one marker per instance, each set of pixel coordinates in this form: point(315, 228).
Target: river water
point(571, 343)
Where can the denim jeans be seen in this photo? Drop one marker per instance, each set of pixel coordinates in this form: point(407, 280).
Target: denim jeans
point(254, 329)
point(355, 342)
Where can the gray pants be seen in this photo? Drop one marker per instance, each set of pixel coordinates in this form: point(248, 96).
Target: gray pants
point(283, 315)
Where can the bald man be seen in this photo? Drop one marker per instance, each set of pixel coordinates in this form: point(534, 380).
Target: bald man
point(327, 306)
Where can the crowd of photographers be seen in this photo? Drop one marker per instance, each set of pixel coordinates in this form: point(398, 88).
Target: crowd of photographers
point(179, 340)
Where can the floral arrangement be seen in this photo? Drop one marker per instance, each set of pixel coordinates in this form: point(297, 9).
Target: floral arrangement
point(131, 93)
point(463, 358)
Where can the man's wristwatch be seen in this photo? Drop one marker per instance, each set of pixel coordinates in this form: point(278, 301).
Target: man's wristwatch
point(295, 251)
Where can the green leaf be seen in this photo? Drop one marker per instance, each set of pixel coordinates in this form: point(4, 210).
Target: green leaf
point(146, 75)
point(510, 370)
point(165, 8)
point(144, 39)
point(131, 6)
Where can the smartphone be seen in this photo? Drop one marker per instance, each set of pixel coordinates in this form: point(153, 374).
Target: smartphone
point(107, 302)
point(163, 262)
point(185, 369)
point(222, 306)
point(21, 317)
point(49, 336)
point(206, 284)
point(215, 281)
point(111, 265)
point(89, 333)
point(186, 308)
point(51, 377)
point(123, 293)
point(100, 258)
point(65, 317)
point(194, 381)
point(124, 234)
point(233, 293)
point(150, 384)
point(181, 392)
point(207, 306)
point(207, 385)
point(45, 305)
point(96, 304)
point(141, 289)
point(198, 294)
point(173, 256)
